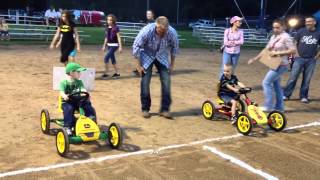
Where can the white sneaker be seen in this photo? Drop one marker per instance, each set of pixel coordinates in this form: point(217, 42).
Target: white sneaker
point(233, 120)
point(285, 98)
point(305, 100)
point(69, 131)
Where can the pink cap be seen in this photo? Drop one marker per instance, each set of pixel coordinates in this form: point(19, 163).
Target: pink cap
point(235, 18)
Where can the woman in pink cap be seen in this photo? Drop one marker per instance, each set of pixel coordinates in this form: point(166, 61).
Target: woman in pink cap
point(233, 39)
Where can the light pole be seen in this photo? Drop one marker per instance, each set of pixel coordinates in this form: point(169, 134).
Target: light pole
point(262, 13)
point(148, 4)
point(178, 7)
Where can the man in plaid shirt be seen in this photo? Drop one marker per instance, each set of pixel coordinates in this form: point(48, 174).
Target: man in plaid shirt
point(152, 47)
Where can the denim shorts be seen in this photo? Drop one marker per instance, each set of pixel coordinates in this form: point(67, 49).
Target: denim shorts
point(227, 98)
point(73, 53)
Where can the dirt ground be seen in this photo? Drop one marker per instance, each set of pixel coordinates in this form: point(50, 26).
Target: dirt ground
point(26, 88)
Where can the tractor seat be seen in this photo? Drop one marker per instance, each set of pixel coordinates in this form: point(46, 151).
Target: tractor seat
point(220, 101)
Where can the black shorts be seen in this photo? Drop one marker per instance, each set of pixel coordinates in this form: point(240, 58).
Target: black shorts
point(66, 49)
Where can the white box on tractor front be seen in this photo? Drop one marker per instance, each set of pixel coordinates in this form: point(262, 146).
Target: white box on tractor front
point(88, 77)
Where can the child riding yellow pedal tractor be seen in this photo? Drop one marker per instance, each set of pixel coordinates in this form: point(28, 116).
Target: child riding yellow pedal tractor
point(249, 114)
point(86, 129)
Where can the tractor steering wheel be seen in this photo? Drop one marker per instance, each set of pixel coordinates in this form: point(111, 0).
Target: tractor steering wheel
point(245, 90)
point(79, 96)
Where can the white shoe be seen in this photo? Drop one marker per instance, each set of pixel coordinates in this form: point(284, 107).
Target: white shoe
point(285, 98)
point(305, 100)
point(68, 130)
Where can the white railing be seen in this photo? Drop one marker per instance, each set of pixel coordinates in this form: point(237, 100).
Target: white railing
point(130, 25)
point(215, 35)
point(130, 30)
point(35, 32)
point(23, 19)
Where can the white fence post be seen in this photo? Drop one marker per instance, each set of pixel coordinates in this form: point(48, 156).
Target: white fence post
point(25, 18)
point(17, 17)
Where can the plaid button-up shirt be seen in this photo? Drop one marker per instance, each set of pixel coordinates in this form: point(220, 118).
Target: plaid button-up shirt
point(149, 47)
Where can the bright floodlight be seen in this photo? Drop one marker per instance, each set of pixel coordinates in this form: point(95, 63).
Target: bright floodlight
point(293, 22)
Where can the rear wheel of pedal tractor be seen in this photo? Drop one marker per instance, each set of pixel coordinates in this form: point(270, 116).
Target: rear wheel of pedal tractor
point(45, 121)
point(208, 110)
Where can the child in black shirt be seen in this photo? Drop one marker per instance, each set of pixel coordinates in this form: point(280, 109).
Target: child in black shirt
point(228, 91)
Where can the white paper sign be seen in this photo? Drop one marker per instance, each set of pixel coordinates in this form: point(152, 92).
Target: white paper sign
point(87, 77)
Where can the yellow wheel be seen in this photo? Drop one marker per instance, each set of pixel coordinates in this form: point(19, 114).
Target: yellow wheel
point(62, 142)
point(115, 136)
point(277, 120)
point(208, 110)
point(45, 121)
point(244, 124)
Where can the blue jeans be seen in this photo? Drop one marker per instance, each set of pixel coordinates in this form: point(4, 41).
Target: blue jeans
point(231, 59)
point(69, 108)
point(272, 88)
point(110, 55)
point(306, 66)
point(165, 87)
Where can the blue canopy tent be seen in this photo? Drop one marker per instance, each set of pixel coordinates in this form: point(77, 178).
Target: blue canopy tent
point(317, 15)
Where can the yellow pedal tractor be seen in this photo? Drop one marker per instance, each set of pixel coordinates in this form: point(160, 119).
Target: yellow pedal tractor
point(249, 114)
point(86, 129)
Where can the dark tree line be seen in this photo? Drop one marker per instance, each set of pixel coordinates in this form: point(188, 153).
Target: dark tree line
point(189, 9)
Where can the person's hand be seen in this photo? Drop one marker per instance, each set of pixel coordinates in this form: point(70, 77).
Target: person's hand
point(51, 46)
point(171, 68)
point(236, 90)
point(140, 70)
point(57, 45)
point(231, 43)
point(273, 54)
point(120, 49)
point(103, 49)
point(78, 49)
point(65, 97)
point(251, 61)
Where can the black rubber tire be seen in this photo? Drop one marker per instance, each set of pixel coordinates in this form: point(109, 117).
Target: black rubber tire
point(284, 121)
point(120, 137)
point(250, 125)
point(46, 129)
point(210, 117)
point(66, 144)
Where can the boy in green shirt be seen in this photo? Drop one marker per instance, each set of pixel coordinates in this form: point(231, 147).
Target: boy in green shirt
point(69, 86)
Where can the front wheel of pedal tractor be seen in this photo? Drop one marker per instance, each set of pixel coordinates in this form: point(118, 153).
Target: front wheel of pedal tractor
point(45, 121)
point(115, 136)
point(277, 120)
point(208, 110)
point(244, 124)
point(62, 142)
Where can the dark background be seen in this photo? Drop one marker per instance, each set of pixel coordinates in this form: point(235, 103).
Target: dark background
point(134, 10)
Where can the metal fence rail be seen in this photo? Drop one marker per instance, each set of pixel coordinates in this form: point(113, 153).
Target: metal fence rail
point(23, 19)
point(35, 32)
point(215, 35)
